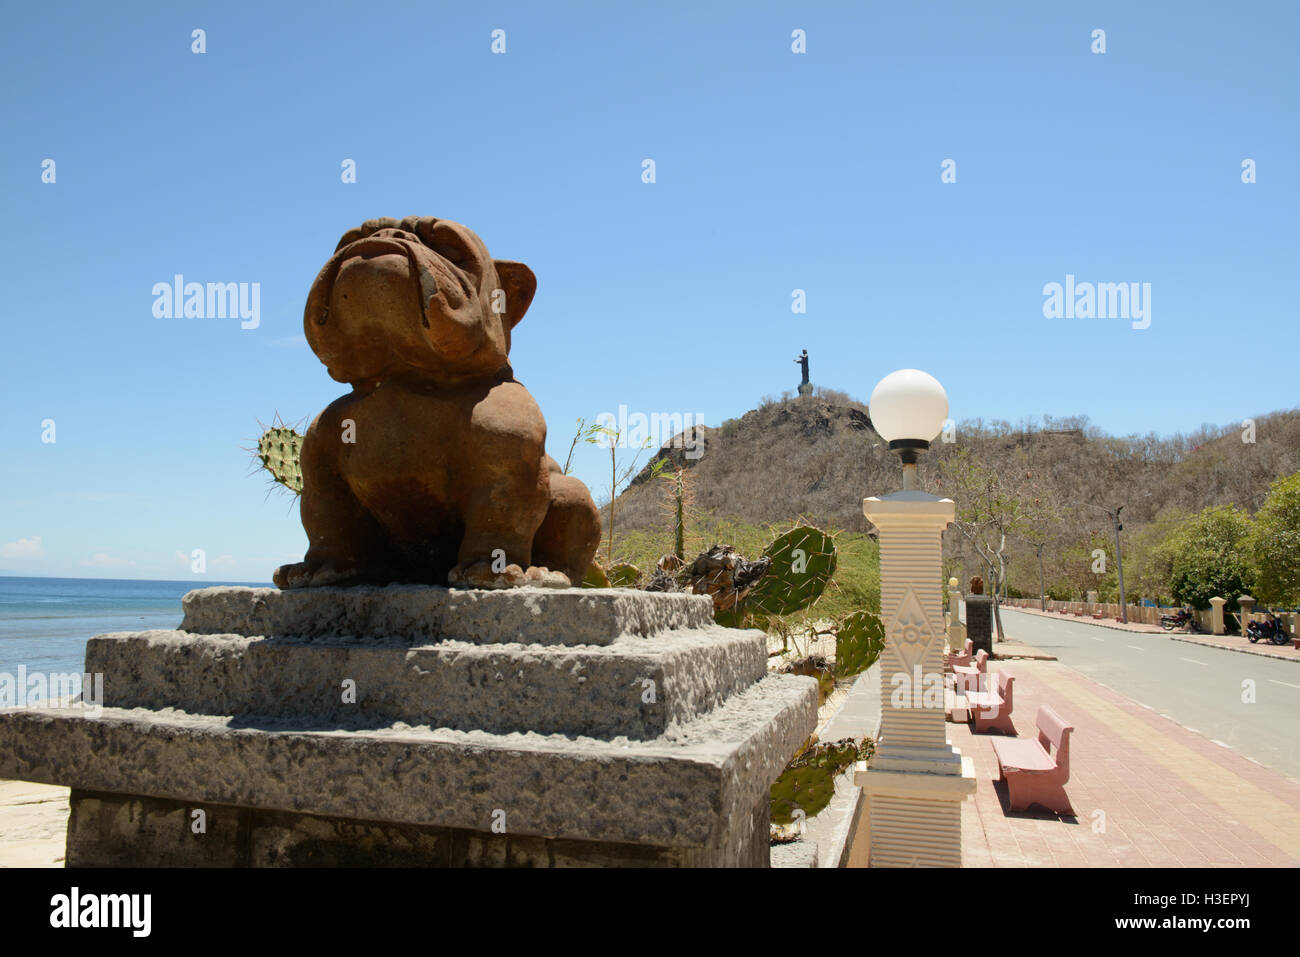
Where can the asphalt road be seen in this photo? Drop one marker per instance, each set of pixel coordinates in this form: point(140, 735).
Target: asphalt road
point(1201, 688)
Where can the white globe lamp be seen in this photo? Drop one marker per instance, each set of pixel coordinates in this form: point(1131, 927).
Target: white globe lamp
point(908, 409)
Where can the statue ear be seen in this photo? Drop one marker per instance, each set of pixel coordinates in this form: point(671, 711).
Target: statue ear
point(519, 284)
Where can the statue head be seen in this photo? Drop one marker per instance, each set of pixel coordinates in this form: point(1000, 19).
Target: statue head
point(417, 299)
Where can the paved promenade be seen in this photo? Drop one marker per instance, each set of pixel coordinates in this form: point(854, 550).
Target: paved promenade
point(1147, 792)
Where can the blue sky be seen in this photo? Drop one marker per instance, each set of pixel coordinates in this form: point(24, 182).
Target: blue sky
point(775, 171)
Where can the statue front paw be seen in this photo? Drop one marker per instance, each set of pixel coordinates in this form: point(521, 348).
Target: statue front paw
point(480, 574)
point(313, 574)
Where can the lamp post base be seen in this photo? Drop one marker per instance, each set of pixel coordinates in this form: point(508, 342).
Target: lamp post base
point(914, 817)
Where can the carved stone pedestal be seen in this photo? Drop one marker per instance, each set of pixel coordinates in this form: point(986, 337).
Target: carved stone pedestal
point(422, 726)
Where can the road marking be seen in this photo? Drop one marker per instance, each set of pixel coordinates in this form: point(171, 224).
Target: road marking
point(1287, 683)
point(1095, 638)
point(1137, 647)
point(1195, 662)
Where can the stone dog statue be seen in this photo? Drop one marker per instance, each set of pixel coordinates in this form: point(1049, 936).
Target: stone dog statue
point(433, 469)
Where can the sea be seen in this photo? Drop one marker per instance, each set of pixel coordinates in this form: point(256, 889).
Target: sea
point(44, 622)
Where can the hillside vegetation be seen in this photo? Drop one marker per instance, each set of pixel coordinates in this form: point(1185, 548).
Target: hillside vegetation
point(815, 458)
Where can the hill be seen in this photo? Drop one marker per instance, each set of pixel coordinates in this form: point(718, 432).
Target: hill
point(817, 457)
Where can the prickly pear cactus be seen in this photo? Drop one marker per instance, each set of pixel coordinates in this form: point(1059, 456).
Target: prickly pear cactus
point(859, 640)
point(808, 782)
point(624, 575)
point(280, 449)
point(595, 577)
point(803, 561)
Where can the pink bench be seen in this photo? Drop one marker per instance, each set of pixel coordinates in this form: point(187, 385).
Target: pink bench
point(971, 677)
point(991, 710)
point(953, 659)
point(1036, 770)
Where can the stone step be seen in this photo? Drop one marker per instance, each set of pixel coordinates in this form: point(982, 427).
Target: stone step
point(423, 614)
point(487, 727)
point(682, 789)
point(634, 687)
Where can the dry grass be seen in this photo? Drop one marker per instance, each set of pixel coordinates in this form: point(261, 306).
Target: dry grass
point(818, 457)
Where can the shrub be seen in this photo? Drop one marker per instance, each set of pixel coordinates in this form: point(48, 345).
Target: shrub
point(1275, 544)
point(1211, 558)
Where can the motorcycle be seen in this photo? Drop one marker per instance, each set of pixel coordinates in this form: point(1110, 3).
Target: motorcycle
point(1170, 622)
point(1270, 629)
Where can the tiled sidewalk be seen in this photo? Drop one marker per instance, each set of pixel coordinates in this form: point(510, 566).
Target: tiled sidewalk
point(1167, 797)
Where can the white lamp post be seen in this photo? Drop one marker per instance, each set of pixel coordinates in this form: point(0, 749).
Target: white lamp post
point(917, 780)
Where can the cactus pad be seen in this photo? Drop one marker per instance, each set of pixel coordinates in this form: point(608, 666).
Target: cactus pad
point(859, 640)
point(803, 561)
point(808, 782)
point(624, 575)
point(279, 450)
point(595, 577)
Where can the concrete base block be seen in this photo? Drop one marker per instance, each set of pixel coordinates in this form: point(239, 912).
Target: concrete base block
point(683, 789)
point(655, 745)
point(637, 686)
point(423, 614)
point(121, 830)
point(915, 818)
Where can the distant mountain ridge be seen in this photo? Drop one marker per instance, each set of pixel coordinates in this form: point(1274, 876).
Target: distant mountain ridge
point(818, 457)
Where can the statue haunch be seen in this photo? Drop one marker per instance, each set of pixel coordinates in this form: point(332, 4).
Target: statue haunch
point(433, 468)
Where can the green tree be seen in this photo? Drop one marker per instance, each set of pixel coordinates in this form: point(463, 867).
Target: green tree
point(1275, 544)
point(1212, 558)
point(1154, 548)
